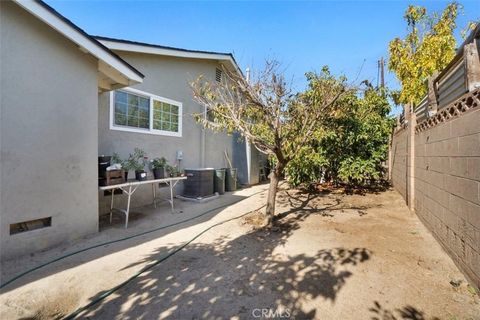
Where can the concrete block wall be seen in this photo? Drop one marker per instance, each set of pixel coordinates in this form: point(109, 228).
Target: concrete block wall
point(399, 161)
point(447, 187)
point(435, 166)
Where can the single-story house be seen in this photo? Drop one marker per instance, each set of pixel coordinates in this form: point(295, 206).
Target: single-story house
point(58, 91)
point(165, 125)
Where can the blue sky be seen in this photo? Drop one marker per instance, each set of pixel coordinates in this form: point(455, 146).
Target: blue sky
point(303, 36)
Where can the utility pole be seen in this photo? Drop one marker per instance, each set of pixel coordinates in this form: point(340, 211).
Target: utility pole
point(382, 74)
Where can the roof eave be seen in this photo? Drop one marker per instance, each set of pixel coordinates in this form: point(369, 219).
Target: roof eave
point(85, 42)
point(131, 46)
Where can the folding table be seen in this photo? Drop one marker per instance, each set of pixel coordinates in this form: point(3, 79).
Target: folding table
point(130, 187)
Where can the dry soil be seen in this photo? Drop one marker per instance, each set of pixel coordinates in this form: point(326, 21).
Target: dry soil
point(333, 256)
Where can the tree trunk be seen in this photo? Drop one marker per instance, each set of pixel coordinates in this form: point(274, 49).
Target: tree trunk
point(272, 194)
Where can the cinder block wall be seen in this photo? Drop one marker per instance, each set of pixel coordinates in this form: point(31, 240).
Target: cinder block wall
point(447, 187)
point(399, 161)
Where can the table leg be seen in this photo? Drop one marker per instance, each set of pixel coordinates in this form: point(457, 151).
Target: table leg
point(127, 211)
point(171, 195)
point(154, 190)
point(111, 205)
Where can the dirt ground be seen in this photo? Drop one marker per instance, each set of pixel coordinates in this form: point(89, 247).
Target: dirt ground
point(333, 256)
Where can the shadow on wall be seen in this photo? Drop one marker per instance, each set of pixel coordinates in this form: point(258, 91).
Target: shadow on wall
point(239, 158)
point(232, 278)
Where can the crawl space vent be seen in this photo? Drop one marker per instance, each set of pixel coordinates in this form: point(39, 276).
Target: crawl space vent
point(30, 225)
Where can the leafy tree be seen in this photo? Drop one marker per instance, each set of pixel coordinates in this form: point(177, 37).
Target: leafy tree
point(428, 47)
point(351, 145)
point(277, 122)
point(364, 134)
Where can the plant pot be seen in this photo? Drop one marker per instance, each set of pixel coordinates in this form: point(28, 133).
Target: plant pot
point(159, 173)
point(141, 175)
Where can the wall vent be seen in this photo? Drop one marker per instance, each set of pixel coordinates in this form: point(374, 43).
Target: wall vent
point(218, 75)
point(25, 226)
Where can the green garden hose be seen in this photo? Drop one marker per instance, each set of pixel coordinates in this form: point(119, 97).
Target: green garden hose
point(148, 267)
point(118, 240)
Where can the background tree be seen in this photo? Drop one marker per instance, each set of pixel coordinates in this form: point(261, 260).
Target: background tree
point(275, 121)
point(428, 47)
point(350, 146)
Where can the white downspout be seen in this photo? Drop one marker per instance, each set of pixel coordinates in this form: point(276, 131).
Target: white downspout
point(248, 151)
point(203, 142)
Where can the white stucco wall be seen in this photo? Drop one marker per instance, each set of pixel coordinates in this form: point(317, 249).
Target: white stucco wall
point(48, 134)
point(167, 77)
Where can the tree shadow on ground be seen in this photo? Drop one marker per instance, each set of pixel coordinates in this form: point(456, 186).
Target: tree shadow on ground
point(229, 278)
point(205, 213)
point(303, 204)
point(375, 187)
point(405, 313)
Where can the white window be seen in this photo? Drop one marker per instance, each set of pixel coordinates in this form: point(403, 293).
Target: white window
point(137, 111)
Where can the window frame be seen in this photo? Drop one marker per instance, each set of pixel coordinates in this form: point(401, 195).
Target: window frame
point(151, 97)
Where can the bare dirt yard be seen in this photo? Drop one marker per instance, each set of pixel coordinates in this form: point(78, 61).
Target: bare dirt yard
point(333, 256)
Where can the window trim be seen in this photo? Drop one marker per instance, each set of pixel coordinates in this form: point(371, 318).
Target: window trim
point(150, 130)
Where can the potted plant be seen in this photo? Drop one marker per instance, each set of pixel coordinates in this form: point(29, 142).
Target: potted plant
point(173, 171)
point(125, 166)
point(159, 166)
point(137, 161)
